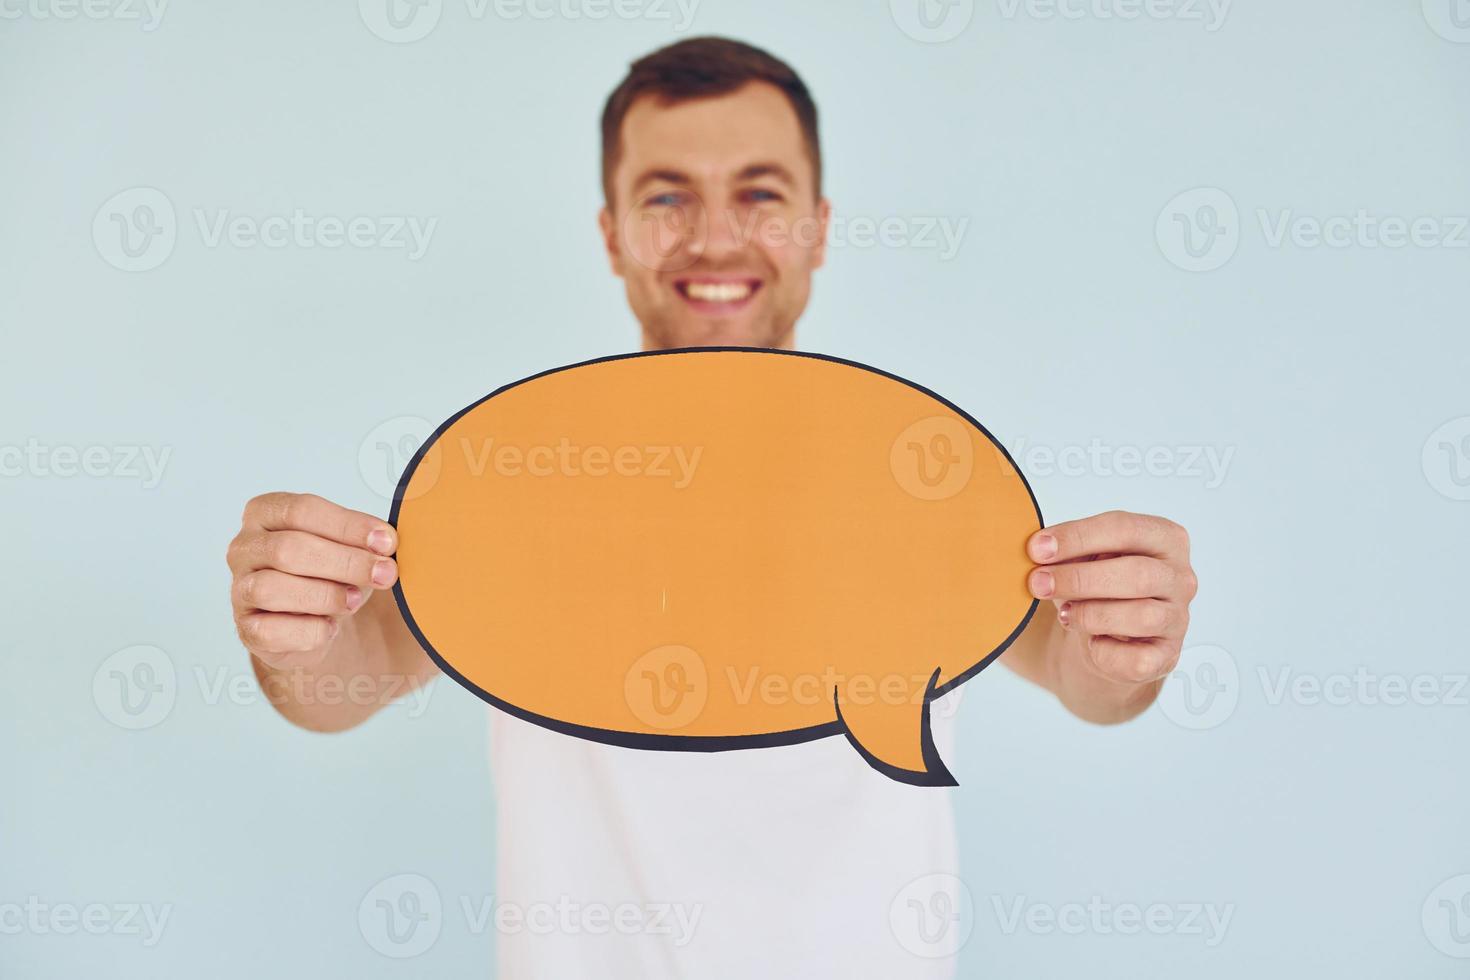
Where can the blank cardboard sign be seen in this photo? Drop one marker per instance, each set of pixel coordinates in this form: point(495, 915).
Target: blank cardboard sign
point(717, 548)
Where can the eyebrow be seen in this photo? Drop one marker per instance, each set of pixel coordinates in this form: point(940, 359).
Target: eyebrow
point(767, 170)
point(680, 179)
point(661, 174)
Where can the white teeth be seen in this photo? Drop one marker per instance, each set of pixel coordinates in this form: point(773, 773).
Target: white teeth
point(718, 292)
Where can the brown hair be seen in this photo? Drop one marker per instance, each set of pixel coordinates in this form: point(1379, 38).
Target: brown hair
point(699, 67)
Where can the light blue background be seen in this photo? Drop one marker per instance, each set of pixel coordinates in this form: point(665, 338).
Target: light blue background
point(1061, 320)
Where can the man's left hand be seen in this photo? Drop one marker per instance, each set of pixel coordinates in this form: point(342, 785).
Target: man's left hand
point(1122, 584)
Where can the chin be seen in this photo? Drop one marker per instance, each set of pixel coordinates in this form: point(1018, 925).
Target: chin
point(718, 334)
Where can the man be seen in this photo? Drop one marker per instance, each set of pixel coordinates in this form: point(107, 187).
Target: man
point(771, 862)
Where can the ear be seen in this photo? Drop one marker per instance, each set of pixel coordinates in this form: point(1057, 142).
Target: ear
point(824, 217)
point(610, 242)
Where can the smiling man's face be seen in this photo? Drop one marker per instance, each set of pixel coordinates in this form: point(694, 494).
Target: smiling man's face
point(715, 224)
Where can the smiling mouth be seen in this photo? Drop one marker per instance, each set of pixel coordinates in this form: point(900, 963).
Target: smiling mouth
point(717, 296)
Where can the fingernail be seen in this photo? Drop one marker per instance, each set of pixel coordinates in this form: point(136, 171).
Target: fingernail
point(1042, 584)
point(354, 598)
point(1044, 547)
point(335, 628)
point(382, 573)
point(1064, 614)
point(381, 542)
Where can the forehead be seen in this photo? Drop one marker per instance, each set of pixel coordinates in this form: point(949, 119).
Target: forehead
point(709, 138)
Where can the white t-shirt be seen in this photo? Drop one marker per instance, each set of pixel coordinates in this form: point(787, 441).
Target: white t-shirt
point(792, 861)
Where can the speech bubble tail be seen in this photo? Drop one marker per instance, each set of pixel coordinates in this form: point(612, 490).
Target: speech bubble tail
point(895, 738)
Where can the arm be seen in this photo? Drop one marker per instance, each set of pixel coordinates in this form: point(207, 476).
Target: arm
point(1115, 592)
point(311, 605)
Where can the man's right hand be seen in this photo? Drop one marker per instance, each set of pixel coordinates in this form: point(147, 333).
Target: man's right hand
point(303, 565)
point(327, 643)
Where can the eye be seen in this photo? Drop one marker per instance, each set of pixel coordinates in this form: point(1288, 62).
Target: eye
point(760, 195)
point(665, 199)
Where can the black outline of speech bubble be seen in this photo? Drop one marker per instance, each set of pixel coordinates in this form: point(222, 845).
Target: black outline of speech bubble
point(935, 773)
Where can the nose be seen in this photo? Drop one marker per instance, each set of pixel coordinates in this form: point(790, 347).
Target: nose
point(720, 235)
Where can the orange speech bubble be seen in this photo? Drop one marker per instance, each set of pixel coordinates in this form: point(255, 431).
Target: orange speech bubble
point(717, 548)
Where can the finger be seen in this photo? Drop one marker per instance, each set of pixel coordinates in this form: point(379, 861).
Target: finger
point(1116, 531)
point(300, 553)
point(275, 591)
point(1132, 661)
point(1135, 618)
point(315, 515)
point(273, 634)
point(1128, 577)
